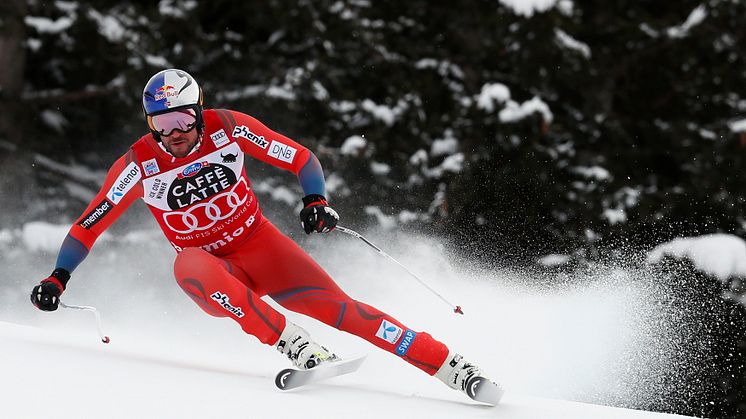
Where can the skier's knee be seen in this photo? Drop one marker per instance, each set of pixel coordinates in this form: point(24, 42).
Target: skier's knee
point(188, 260)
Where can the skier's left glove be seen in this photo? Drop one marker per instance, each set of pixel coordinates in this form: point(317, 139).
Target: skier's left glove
point(46, 295)
point(317, 215)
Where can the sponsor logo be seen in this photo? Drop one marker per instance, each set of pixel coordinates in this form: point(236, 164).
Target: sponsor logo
point(150, 167)
point(281, 151)
point(192, 169)
point(227, 238)
point(406, 342)
point(219, 138)
point(222, 242)
point(224, 301)
point(454, 361)
point(204, 215)
point(126, 180)
point(230, 158)
point(243, 131)
point(96, 214)
point(204, 180)
point(389, 332)
point(165, 91)
point(158, 189)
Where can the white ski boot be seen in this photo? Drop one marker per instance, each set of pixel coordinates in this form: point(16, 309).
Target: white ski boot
point(296, 343)
point(468, 378)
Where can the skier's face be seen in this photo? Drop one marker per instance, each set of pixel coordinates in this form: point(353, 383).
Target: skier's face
point(180, 143)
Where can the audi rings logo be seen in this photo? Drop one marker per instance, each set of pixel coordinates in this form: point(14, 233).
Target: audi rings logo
point(204, 215)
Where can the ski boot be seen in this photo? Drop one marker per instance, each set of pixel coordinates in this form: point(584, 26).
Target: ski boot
point(303, 352)
point(468, 378)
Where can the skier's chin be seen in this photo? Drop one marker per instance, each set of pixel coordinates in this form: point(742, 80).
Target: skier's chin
point(180, 148)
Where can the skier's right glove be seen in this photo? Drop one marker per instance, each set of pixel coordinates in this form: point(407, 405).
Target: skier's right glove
point(46, 295)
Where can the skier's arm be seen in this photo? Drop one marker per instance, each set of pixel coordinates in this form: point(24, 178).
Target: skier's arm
point(262, 143)
point(278, 150)
point(121, 187)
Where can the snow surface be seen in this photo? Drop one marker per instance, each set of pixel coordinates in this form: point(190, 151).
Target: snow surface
point(602, 341)
point(131, 377)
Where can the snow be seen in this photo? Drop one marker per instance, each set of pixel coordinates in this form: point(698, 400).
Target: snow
point(42, 236)
point(527, 8)
point(108, 26)
point(383, 113)
point(567, 41)
point(738, 125)
point(553, 260)
point(597, 173)
point(319, 91)
point(444, 146)
point(134, 378)
point(380, 169)
point(353, 145)
point(491, 94)
point(514, 111)
point(696, 17)
point(176, 9)
point(280, 92)
point(276, 192)
point(614, 215)
point(386, 222)
point(494, 94)
point(54, 120)
point(720, 255)
point(46, 25)
point(418, 157)
point(585, 342)
point(452, 164)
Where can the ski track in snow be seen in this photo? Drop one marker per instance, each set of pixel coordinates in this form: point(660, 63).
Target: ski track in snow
point(598, 340)
point(62, 375)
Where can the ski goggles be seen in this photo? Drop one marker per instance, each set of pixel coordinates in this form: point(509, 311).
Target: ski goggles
point(183, 120)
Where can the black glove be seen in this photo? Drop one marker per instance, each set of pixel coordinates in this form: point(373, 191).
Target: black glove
point(46, 295)
point(317, 215)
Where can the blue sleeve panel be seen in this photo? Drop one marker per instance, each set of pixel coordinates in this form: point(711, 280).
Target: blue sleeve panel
point(71, 254)
point(311, 177)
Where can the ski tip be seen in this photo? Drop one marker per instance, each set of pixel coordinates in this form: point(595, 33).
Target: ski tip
point(485, 391)
point(281, 379)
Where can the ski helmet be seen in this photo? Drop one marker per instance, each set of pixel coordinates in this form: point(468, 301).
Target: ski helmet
point(172, 100)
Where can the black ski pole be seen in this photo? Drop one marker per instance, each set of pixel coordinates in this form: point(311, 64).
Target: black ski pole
point(456, 309)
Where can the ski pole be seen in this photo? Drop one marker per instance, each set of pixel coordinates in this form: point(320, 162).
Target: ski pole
point(456, 309)
point(104, 338)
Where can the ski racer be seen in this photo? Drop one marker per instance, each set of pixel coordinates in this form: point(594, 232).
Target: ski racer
point(190, 170)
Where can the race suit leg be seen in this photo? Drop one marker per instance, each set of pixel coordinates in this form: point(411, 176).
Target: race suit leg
point(214, 284)
point(278, 267)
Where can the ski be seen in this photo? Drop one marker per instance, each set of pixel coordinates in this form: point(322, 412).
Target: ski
point(484, 390)
point(291, 378)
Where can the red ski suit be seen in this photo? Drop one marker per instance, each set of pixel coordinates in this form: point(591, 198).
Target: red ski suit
point(229, 255)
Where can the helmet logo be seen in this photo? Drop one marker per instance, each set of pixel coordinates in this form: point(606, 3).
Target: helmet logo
point(165, 91)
